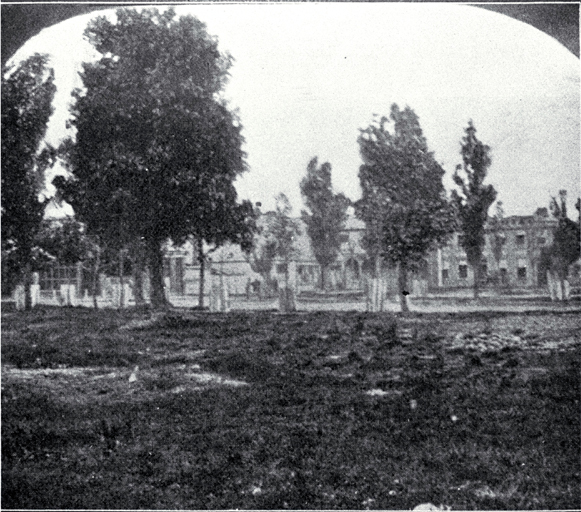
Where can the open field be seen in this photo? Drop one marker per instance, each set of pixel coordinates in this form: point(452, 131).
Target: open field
point(304, 411)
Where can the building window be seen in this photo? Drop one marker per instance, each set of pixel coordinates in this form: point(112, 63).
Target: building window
point(463, 271)
point(521, 273)
point(460, 240)
point(445, 274)
point(520, 240)
point(541, 240)
point(343, 238)
point(281, 268)
point(484, 269)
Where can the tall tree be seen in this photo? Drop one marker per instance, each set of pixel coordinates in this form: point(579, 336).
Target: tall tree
point(498, 238)
point(261, 257)
point(566, 246)
point(283, 230)
point(473, 200)
point(328, 213)
point(155, 144)
point(261, 261)
point(27, 93)
point(403, 204)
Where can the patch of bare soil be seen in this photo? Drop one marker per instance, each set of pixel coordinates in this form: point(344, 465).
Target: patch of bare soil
point(85, 385)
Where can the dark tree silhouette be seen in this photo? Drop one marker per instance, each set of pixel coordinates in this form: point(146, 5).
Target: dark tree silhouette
point(404, 204)
point(473, 200)
point(27, 93)
point(566, 246)
point(326, 216)
point(156, 150)
point(283, 230)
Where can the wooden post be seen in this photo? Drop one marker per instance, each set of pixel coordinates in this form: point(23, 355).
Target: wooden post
point(79, 278)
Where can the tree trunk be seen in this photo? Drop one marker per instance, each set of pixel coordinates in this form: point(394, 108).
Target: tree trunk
point(403, 287)
point(563, 274)
point(476, 284)
point(286, 297)
point(323, 276)
point(121, 280)
point(139, 264)
point(158, 299)
point(286, 300)
point(202, 261)
point(28, 286)
point(138, 295)
point(96, 276)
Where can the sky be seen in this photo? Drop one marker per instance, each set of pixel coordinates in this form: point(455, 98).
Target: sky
point(307, 77)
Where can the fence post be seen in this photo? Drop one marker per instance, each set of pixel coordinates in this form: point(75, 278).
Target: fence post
point(79, 278)
point(35, 289)
point(19, 296)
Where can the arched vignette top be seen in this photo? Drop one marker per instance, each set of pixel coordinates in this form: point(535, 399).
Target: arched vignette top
point(20, 22)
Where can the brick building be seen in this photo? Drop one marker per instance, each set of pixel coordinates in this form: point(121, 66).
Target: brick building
point(515, 265)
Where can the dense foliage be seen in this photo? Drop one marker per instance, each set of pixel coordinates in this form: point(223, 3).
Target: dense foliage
point(261, 258)
point(474, 199)
point(65, 240)
point(326, 215)
point(282, 230)
point(566, 246)
point(27, 92)
point(156, 149)
point(403, 204)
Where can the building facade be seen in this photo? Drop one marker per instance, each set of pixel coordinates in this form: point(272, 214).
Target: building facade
point(511, 260)
point(511, 255)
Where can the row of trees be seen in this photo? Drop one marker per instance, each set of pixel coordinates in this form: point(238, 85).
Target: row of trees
point(404, 204)
point(156, 151)
point(405, 208)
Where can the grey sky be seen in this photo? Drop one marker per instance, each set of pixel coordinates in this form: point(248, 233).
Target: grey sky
point(307, 76)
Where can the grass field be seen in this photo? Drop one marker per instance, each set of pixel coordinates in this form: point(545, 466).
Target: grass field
point(301, 411)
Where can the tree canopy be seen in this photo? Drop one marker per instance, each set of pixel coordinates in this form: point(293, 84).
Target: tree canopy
point(474, 198)
point(566, 246)
point(403, 204)
point(326, 216)
point(261, 257)
point(65, 240)
point(282, 230)
point(156, 149)
point(27, 93)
